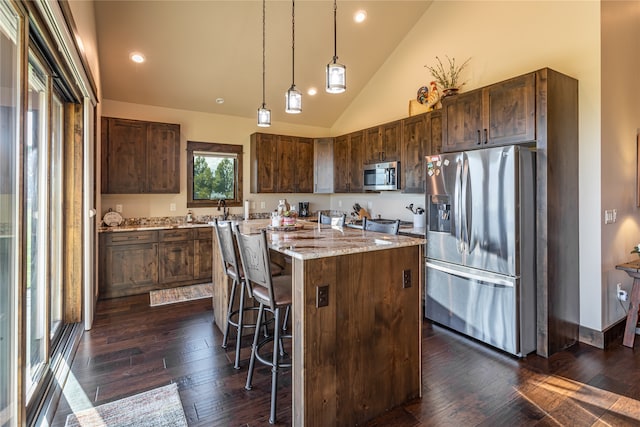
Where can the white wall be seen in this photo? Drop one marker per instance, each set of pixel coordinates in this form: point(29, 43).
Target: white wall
point(506, 39)
point(620, 124)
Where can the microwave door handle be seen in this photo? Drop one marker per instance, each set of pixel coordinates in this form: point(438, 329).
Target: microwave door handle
point(387, 176)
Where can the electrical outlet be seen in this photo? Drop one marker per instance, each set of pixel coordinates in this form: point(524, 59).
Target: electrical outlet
point(322, 296)
point(406, 278)
point(119, 208)
point(263, 205)
point(339, 203)
point(253, 205)
point(172, 207)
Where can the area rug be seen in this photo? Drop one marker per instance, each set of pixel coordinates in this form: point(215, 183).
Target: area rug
point(160, 407)
point(181, 294)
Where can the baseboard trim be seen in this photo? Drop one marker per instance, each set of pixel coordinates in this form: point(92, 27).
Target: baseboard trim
point(603, 339)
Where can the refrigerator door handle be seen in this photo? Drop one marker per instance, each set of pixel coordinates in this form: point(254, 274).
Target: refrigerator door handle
point(458, 207)
point(493, 279)
point(468, 214)
point(465, 207)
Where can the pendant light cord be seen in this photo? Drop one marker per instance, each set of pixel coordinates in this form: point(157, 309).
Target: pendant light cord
point(263, 48)
point(335, 37)
point(293, 42)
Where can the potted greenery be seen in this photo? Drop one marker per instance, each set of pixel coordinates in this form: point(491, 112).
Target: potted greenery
point(448, 78)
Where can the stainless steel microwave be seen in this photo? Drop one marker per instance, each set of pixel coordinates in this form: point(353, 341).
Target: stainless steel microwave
point(382, 176)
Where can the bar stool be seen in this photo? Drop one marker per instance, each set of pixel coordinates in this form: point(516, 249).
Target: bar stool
point(391, 228)
point(273, 293)
point(234, 270)
point(334, 221)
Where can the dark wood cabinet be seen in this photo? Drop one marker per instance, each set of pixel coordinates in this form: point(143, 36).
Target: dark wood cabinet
point(323, 165)
point(281, 164)
point(175, 256)
point(136, 262)
point(203, 253)
point(499, 114)
point(348, 151)
point(264, 163)
point(382, 143)
point(128, 263)
point(421, 135)
point(140, 157)
point(462, 121)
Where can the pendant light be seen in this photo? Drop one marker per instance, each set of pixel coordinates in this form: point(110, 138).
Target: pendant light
point(264, 114)
point(293, 96)
point(336, 73)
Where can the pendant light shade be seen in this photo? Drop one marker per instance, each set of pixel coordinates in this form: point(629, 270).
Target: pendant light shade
point(336, 73)
point(264, 114)
point(264, 117)
point(293, 102)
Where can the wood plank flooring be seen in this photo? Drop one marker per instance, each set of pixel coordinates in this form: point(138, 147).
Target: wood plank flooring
point(134, 347)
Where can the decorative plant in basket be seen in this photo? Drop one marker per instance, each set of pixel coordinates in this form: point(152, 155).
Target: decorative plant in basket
point(448, 78)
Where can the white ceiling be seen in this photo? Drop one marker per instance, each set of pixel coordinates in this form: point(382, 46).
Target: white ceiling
point(197, 51)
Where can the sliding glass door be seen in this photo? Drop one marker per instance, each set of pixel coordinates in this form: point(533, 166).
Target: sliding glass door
point(35, 222)
point(9, 207)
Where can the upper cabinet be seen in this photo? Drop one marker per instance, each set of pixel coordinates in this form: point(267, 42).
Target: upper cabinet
point(499, 114)
point(382, 143)
point(281, 164)
point(421, 136)
point(323, 165)
point(140, 157)
point(348, 151)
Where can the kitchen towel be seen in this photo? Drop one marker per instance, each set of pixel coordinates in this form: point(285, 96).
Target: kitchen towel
point(246, 210)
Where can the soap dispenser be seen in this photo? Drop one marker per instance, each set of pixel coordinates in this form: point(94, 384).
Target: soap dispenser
point(189, 216)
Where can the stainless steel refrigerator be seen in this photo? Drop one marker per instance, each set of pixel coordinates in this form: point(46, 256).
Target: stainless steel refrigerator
point(480, 256)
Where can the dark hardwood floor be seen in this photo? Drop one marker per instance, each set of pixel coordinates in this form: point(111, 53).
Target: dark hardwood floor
point(134, 347)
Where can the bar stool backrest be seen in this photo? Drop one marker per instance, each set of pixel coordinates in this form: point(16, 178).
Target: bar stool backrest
point(337, 221)
point(227, 248)
point(391, 228)
point(254, 253)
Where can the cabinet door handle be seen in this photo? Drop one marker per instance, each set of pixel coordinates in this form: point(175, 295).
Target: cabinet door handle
point(486, 136)
point(479, 139)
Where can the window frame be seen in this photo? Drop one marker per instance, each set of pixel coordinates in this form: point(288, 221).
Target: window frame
point(213, 147)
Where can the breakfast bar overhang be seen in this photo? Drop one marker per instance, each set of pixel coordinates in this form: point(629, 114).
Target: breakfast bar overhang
point(359, 355)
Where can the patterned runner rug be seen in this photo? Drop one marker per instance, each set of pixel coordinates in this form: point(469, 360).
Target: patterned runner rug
point(160, 407)
point(181, 294)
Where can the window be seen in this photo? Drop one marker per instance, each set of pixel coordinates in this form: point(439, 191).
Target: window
point(214, 173)
point(10, 28)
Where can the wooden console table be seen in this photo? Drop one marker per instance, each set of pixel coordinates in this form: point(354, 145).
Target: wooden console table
point(633, 269)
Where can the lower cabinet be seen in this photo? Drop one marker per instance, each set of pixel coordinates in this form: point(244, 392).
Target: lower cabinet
point(175, 256)
point(136, 262)
point(203, 253)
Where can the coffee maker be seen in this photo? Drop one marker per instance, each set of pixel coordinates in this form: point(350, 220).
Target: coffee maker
point(303, 209)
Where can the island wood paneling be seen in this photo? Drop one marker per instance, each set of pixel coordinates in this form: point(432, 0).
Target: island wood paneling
point(360, 355)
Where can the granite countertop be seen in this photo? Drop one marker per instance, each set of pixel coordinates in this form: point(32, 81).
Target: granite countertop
point(145, 227)
point(319, 241)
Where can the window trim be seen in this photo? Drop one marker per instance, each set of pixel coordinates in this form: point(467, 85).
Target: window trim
point(213, 147)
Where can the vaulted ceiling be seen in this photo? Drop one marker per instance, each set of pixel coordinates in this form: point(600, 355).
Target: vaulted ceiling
point(199, 51)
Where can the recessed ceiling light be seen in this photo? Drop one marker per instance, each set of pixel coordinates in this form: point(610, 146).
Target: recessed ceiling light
point(312, 91)
point(137, 57)
point(360, 16)
point(219, 100)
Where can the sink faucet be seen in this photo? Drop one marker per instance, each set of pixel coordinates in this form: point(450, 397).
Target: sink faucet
point(225, 209)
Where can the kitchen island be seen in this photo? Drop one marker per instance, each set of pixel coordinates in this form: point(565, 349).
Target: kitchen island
point(359, 355)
